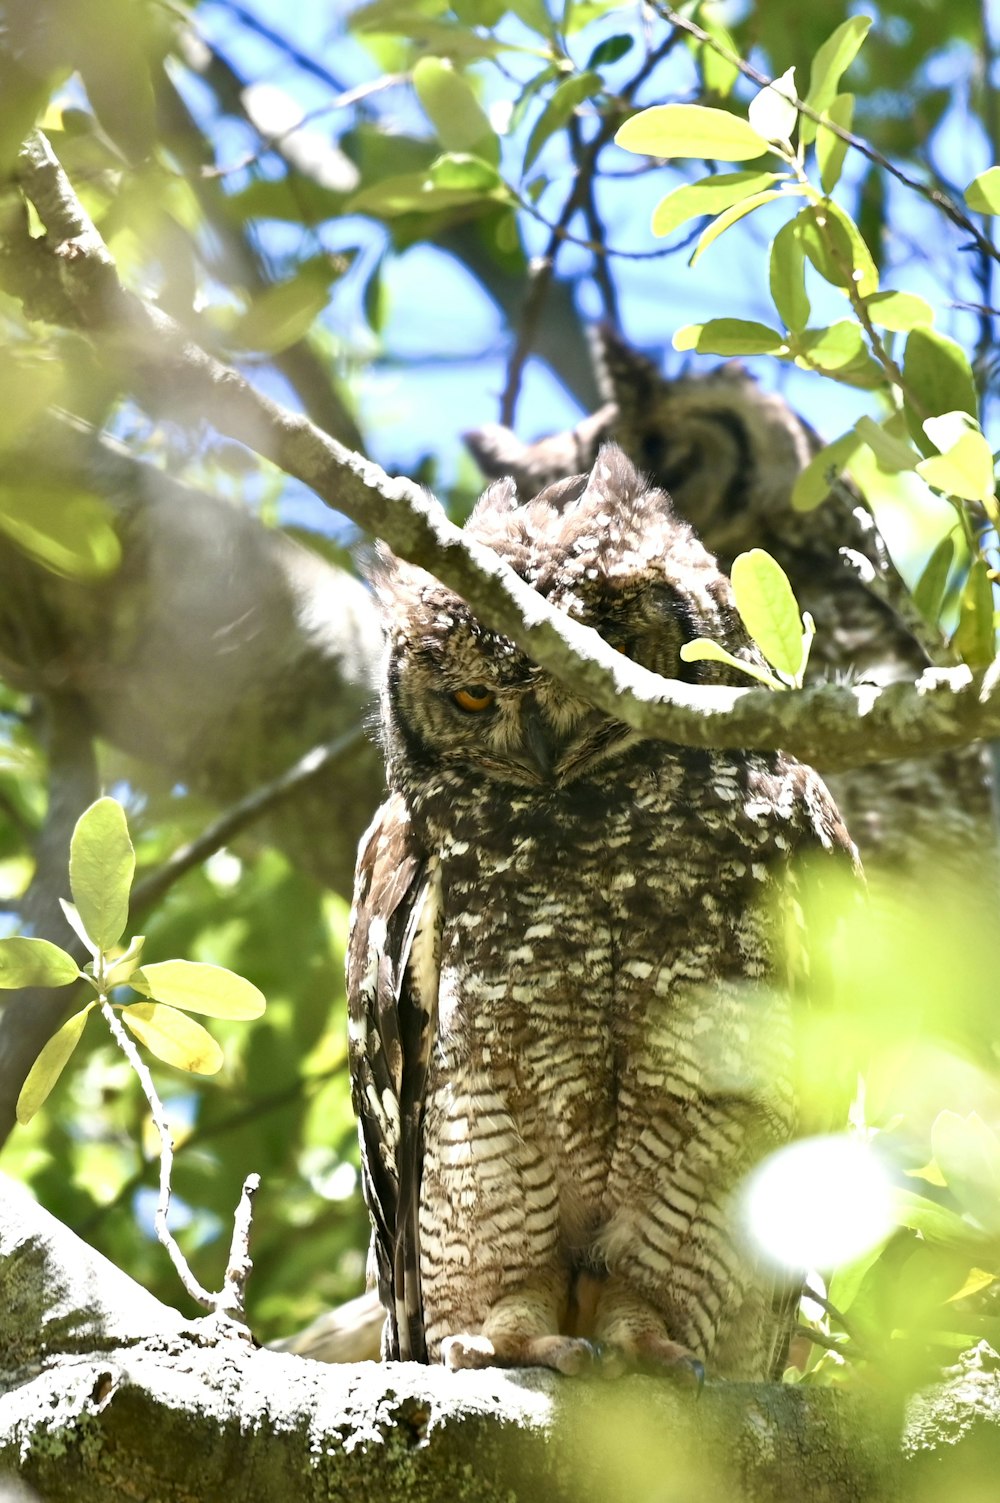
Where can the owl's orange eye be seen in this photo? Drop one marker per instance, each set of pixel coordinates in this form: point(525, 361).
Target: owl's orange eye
point(474, 698)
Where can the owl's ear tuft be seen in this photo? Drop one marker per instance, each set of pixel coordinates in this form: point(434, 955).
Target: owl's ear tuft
point(497, 499)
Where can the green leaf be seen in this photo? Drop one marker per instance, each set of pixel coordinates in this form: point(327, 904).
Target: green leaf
point(207, 989)
point(772, 112)
point(892, 453)
point(729, 336)
point(831, 149)
point(717, 72)
point(174, 1037)
point(101, 868)
point(813, 485)
point(565, 99)
point(414, 193)
point(788, 278)
point(929, 592)
point(900, 311)
point(283, 314)
point(710, 195)
point(459, 170)
point(964, 468)
point(829, 64)
point(71, 532)
point(833, 348)
point(611, 50)
point(983, 193)
point(935, 1222)
point(704, 650)
point(50, 1064)
point(770, 612)
point(35, 962)
point(975, 638)
point(718, 226)
point(459, 120)
point(937, 378)
point(127, 964)
point(967, 1152)
point(691, 130)
point(834, 245)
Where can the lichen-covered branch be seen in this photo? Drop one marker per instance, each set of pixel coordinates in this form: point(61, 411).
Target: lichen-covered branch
point(838, 726)
point(105, 1394)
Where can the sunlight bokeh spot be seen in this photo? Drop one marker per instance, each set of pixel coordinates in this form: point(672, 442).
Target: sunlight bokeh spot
point(819, 1203)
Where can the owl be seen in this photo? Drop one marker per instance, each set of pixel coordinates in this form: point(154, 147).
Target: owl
point(570, 1013)
point(729, 453)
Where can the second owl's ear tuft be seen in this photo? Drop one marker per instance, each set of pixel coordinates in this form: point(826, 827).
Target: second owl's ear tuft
point(498, 498)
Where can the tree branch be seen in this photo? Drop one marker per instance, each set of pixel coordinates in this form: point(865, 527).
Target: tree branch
point(835, 725)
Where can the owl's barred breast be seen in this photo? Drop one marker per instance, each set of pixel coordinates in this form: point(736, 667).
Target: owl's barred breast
point(601, 956)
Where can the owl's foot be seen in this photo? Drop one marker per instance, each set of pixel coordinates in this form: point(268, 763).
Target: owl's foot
point(563, 1354)
point(656, 1355)
point(633, 1336)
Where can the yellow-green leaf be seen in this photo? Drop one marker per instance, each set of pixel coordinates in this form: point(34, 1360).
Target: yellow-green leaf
point(459, 120)
point(814, 483)
point(892, 452)
point(738, 211)
point(836, 248)
point(565, 99)
point(901, 311)
point(770, 612)
point(691, 130)
point(35, 962)
point(50, 1064)
point(828, 66)
point(929, 591)
point(704, 650)
point(71, 532)
point(772, 111)
point(938, 377)
point(787, 273)
point(833, 348)
point(208, 989)
point(975, 1280)
point(983, 193)
point(729, 336)
point(975, 637)
point(711, 195)
point(831, 149)
point(101, 868)
point(964, 468)
point(283, 314)
point(174, 1037)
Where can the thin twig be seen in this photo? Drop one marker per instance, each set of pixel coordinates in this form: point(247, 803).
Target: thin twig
point(581, 193)
point(197, 1291)
point(232, 1296)
point(236, 818)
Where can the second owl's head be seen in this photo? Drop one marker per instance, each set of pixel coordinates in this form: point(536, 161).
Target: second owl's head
point(608, 550)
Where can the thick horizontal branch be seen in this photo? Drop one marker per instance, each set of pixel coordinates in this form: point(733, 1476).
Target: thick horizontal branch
point(106, 1394)
point(73, 272)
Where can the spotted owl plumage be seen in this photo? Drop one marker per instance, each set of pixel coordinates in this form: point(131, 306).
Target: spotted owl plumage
point(729, 452)
point(570, 1011)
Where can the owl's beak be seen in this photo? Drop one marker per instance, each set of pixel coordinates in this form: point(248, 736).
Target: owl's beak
point(537, 752)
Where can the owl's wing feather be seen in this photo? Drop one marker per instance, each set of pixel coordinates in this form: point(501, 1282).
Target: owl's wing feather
point(392, 1001)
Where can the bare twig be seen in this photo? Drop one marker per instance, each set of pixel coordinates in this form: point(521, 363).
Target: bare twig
point(232, 1297)
point(228, 1303)
point(830, 726)
point(197, 1291)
